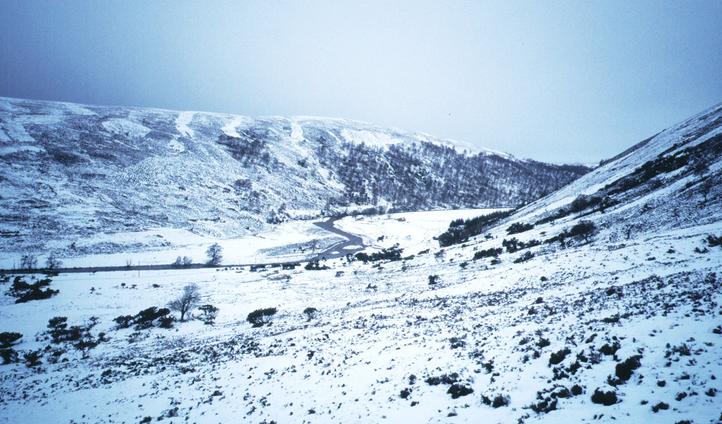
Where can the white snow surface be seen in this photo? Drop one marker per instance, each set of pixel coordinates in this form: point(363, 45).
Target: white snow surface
point(441, 335)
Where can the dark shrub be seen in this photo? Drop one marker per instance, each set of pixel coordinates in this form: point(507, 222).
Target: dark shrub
point(260, 317)
point(123, 321)
point(519, 227)
point(713, 240)
point(488, 253)
point(433, 279)
point(604, 398)
point(584, 201)
point(310, 313)
point(660, 406)
point(512, 245)
point(208, 314)
point(8, 356)
point(609, 349)
point(457, 390)
point(8, 338)
point(166, 322)
point(32, 359)
point(557, 357)
point(146, 319)
point(583, 229)
point(624, 370)
point(523, 258)
point(497, 402)
point(24, 292)
point(443, 379)
point(390, 254)
point(313, 265)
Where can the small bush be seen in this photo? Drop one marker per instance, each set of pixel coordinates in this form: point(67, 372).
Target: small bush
point(604, 398)
point(497, 402)
point(713, 240)
point(458, 390)
point(32, 358)
point(310, 313)
point(208, 314)
point(624, 370)
point(558, 357)
point(261, 317)
point(8, 356)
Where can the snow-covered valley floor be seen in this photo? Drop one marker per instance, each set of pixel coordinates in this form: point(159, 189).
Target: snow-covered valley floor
point(435, 337)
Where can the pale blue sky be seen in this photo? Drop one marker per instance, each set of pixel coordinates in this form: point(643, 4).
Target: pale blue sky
point(559, 81)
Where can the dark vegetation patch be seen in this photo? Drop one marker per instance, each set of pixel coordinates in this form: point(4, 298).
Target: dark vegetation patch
point(624, 369)
point(389, 254)
point(23, 291)
point(458, 390)
point(310, 313)
point(602, 397)
point(557, 357)
point(714, 241)
point(488, 253)
point(208, 314)
point(497, 402)
point(77, 336)
point(147, 318)
point(314, 265)
point(581, 231)
point(514, 245)
point(526, 256)
point(519, 227)
point(261, 317)
point(461, 230)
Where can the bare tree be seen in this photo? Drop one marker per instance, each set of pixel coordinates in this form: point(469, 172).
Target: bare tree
point(215, 254)
point(53, 262)
point(28, 261)
point(187, 301)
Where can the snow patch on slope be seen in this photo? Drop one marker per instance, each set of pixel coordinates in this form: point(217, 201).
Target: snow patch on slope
point(125, 127)
point(181, 124)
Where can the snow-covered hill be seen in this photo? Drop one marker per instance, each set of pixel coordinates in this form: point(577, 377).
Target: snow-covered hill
point(72, 170)
point(601, 302)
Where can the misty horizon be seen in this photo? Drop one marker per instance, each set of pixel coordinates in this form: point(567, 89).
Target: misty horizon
point(561, 83)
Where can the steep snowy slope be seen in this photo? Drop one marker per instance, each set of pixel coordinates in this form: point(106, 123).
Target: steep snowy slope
point(74, 170)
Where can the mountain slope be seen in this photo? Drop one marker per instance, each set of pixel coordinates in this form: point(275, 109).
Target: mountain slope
point(75, 170)
point(517, 325)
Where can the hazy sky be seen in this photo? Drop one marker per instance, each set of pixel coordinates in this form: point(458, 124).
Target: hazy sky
point(570, 81)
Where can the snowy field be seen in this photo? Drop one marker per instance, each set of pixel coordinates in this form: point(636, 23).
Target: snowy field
point(289, 241)
point(412, 231)
point(385, 345)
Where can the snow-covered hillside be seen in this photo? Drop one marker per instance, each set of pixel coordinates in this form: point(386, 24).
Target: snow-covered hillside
point(70, 171)
point(601, 302)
